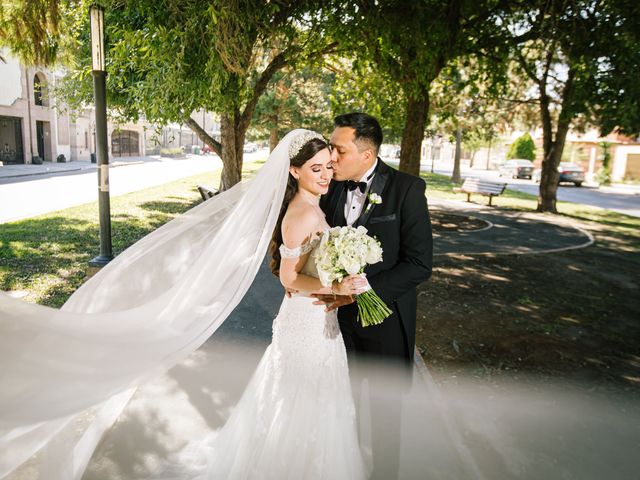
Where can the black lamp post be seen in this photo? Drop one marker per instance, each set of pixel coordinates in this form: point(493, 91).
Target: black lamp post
point(100, 98)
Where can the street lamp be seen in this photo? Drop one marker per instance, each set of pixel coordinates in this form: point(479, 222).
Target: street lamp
point(96, 14)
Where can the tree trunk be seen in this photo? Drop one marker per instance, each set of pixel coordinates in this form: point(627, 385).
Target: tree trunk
point(550, 175)
point(204, 136)
point(553, 148)
point(273, 138)
point(455, 176)
point(549, 181)
point(489, 152)
point(413, 133)
point(232, 140)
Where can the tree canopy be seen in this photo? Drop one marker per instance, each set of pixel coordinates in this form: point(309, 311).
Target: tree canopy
point(409, 44)
point(522, 147)
point(582, 59)
point(168, 59)
point(573, 61)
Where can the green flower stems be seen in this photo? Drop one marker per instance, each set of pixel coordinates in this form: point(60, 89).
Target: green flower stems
point(371, 309)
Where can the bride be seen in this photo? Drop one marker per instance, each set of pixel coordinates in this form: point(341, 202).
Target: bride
point(296, 418)
point(155, 304)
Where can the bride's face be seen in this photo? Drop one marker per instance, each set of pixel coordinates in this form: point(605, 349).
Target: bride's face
point(316, 173)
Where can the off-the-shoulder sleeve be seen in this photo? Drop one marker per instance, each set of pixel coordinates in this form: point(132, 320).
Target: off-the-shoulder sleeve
point(295, 252)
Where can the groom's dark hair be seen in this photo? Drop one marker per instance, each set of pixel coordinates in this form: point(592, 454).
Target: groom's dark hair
point(367, 129)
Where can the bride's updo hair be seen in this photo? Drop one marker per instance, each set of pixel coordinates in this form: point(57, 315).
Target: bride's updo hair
point(306, 153)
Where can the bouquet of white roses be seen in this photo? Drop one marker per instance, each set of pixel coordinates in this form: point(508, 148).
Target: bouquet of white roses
point(346, 251)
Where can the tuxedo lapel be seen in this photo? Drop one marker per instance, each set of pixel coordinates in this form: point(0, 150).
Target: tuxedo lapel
point(377, 186)
point(338, 200)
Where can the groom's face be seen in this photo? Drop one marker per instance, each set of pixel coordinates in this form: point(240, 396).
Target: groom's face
point(349, 162)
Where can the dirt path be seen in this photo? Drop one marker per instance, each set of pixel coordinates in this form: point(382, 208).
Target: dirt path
point(500, 231)
point(571, 314)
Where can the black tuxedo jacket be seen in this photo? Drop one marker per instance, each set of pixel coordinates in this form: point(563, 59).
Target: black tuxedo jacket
point(403, 226)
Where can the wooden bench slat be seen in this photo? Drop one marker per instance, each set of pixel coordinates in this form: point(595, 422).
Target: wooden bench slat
point(207, 193)
point(482, 187)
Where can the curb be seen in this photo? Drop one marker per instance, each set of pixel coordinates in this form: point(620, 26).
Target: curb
point(489, 223)
point(33, 174)
point(67, 170)
point(561, 222)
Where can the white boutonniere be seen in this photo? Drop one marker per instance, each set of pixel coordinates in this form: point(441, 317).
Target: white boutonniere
point(374, 199)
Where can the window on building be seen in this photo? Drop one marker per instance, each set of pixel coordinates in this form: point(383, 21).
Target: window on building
point(40, 92)
point(125, 143)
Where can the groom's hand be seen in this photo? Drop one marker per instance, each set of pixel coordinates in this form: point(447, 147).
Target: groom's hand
point(333, 301)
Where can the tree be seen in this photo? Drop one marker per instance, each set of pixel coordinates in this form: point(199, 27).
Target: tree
point(31, 29)
point(168, 59)
point(410, 43)
point(603, 176)
point(522, 147)
point(462, 101)
point(296, 98)
point(359, 86)
point(312, 96)
point(583, 59)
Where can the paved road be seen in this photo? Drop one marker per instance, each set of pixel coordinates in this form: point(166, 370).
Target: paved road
point(27, 196)
point(619, 199)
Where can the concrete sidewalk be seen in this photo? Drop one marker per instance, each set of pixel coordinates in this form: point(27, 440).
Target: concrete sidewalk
point(36, 190)
point(28, 170)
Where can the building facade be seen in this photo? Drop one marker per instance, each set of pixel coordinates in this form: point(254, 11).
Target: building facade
point(29, 130)
point(33, 130)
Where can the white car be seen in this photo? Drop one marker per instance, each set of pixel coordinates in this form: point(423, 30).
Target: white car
point(250, 147)
point(516, 168)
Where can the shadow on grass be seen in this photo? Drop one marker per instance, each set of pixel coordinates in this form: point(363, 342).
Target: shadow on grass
point(170, 207)
point(48, 256)
point(605, 217)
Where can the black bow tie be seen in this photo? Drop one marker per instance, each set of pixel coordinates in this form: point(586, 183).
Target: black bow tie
point(351, 185)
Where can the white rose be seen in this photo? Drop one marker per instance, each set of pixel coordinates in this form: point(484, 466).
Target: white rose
point(375, 254)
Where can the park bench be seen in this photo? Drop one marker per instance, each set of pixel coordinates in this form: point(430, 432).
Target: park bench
point(207, 193)
point(482, 187)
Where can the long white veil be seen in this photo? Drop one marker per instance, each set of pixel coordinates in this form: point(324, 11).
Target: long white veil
point(65, 375)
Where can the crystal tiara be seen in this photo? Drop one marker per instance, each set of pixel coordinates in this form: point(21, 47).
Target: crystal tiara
point(300, 139)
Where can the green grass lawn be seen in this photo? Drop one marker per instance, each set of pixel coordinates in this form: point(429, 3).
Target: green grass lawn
point(47, 256)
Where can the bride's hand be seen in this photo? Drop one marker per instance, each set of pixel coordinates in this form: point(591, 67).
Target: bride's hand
point(351, 285)
point(331, 302)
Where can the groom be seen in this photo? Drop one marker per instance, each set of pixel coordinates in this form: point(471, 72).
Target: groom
point(401, 222)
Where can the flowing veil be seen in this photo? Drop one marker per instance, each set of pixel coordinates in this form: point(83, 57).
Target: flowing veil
point(65, 375)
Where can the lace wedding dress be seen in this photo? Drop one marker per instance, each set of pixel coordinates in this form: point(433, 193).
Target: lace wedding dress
point(296, 419)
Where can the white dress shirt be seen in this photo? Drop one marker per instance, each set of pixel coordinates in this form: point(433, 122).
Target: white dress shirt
point(356, 199)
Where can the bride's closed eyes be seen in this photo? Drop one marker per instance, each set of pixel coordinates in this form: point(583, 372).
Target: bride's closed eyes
point(318, 168)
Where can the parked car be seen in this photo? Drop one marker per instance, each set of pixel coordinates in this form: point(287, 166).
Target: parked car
point(516, 168)
point(206, 149)
point(250, 148)
point(569, 173)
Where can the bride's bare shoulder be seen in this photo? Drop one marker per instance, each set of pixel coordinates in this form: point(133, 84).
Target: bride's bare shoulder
point(299, 224)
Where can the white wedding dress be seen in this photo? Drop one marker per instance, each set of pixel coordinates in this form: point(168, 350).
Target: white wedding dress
point(296, 419)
